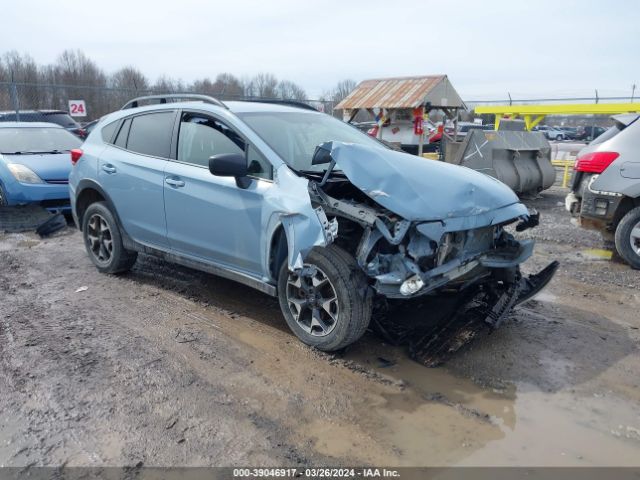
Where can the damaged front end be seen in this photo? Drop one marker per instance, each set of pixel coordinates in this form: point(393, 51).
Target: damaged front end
point(422, 228)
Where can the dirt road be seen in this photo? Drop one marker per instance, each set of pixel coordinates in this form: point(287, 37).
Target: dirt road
point(172, 367)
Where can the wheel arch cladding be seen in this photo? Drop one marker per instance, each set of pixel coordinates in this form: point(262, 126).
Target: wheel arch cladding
point(85, 198)
point(90, 192)
point(278, 251)
point(291, 210)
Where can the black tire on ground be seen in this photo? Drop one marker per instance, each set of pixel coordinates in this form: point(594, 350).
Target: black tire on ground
point(3, 197)
point(624, 231)
point(103, 240)
point(559, 137)
point(354, 301)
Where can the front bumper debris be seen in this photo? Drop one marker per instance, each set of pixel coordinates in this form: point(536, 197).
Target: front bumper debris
point(454, 320)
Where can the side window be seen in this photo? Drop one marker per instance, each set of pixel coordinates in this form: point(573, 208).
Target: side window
point(121, 139)
point(258, 165)
point(201, 137)
point(150, 134)
point(108, 131)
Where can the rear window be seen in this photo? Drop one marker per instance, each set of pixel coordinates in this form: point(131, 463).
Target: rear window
point(609, 133)
point(61, 118)
point(35, 140)
point(150, 134)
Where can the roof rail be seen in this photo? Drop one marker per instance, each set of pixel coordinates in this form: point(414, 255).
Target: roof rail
point(176, 97)
point(277, 101)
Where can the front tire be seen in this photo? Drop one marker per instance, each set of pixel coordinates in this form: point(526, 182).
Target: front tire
point(103, 240)
point(628, 238)
point(327, 304)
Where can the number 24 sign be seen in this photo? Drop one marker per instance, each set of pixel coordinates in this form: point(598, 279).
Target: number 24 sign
point(77, 108)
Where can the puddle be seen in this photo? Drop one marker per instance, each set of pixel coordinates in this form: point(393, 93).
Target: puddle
point(441, 419)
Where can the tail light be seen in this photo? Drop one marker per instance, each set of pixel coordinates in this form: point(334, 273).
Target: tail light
point(595, 162)
point(373, 132)
point(82, 133)
point(76, 153)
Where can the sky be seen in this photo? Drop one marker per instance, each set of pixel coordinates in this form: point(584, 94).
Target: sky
point(529, 48)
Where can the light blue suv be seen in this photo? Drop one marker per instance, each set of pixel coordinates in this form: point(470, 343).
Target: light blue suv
point(298, 205)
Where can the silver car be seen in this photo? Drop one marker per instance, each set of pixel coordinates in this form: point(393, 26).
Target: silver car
point(605, 192)
point(301, 206)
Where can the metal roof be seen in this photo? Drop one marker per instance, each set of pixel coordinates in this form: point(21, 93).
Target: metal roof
point(402, 92)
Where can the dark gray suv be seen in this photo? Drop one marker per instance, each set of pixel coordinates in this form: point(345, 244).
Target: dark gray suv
point(605, 192)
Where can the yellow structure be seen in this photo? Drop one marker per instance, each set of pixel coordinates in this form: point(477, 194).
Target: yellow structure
point(566, 165)
point(534, 114)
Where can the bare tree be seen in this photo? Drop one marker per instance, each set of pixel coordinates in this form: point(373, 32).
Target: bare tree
point(75, 76)
point(263, 85)
point(23, 69)
point(20, 68)
point(165, 84)
point(74, 68)
point(228, 85)
point(342, 89)
point(288, 90)
point(204, 86)
point(129, 78)
point(225, 86)
point(126, 83)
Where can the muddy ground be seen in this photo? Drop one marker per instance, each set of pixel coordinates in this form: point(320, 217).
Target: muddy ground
point(171, 367)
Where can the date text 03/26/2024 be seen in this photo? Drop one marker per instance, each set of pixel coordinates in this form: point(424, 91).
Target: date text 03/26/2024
point(315, 473)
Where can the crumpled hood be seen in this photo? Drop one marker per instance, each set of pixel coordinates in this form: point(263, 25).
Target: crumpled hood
point(419, 189)
point(48, 166)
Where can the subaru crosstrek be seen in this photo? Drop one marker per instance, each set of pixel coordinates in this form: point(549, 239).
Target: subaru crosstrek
point(300, 206)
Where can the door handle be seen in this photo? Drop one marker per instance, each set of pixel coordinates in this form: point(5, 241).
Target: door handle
point(108, 168)
point(173, 182)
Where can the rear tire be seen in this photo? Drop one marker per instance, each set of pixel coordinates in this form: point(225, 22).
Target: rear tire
point(628, 238)
point(103, 240)
point(328, 306)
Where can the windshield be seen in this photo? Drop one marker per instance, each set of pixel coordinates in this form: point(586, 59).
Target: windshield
point(294, 136)
point(36, 140)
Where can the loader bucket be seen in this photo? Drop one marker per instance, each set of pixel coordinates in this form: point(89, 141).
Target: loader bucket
point(522, 160)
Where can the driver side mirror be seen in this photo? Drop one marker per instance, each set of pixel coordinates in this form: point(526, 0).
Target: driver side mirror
point(322, 154)
point(230, 165)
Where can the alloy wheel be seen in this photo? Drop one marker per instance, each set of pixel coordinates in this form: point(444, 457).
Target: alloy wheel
point(313, 301)
point(99, 238)
point(634, 238)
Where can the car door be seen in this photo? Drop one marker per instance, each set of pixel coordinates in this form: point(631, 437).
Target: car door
point(211, 217)
point(131, 170)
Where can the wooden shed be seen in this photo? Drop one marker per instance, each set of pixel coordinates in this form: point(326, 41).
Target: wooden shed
point(386, 95)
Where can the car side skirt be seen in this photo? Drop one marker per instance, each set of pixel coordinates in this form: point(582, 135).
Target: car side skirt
point(208, 267)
